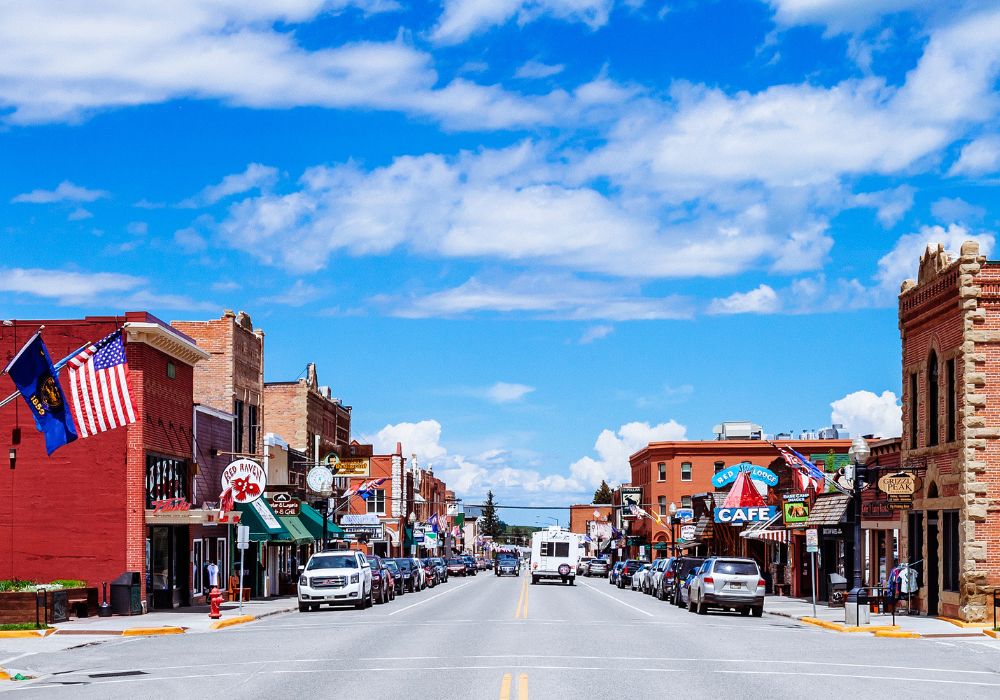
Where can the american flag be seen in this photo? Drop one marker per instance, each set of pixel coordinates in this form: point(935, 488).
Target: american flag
point(98, 387)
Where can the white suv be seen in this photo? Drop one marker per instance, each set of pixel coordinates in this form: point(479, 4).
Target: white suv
point(335, 578)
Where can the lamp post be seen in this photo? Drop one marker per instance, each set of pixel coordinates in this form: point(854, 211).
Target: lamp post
point(859, 454)
point(673, 534)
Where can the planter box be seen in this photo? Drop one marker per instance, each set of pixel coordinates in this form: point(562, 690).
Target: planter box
point(21, 607)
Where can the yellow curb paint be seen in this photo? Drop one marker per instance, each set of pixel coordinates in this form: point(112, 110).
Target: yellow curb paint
point(238, 620)
point(505, 687)
point(963, 624)
point(897, 634)
point(151, 631)
point(834, 626)
point(22, 634)
point(992, 633)
point(872, 628)
point(4, 676)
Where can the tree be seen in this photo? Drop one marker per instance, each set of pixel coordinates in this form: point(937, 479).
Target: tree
point(492, 525)
point(603, 493)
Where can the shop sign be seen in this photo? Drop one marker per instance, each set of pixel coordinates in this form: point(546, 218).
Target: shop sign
point(372, 532)
point(418, 534)
point(352, 467)
point(899, 488)
point(246, 478)
point(876, 509)
point(171, 505)
point(283, 504)
point(631, 495)
point(683, 515)
point(795, 508)
point(756, 473)
point(812, 540)
point(266, 515)
point(687, 533)
point(359, 519)
point(738, 516)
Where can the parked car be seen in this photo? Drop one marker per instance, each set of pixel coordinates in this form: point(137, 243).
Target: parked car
point(430, 572)
point(421, 574)
point(457, 567)
point(682, 566)
point(638, 582)
point(683, 588)
point(581, 566)
point(383, 585)
point(470, 566)
point(615, 573)
point(335, 578)
point(411, 579)
point(625, 575)
point(442, 569)
point(482, 564)
point(727, 583)
point(397, 577)
point(655, 575)
point(597, 567)
point(507, 566)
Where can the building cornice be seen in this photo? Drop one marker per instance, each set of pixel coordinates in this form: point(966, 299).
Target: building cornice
point(166, 341)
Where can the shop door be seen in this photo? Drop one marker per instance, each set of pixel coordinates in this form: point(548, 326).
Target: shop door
point(169, 570)
point(932, 565)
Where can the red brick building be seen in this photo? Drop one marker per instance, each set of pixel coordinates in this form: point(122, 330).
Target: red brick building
point(307, 415)
point(949, 322)
point(86, 512)
point(583, 521)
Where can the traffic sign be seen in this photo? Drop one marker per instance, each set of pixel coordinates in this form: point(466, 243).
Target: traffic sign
point(812, 540)
point(243, 537)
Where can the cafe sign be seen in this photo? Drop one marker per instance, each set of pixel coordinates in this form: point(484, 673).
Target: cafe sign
point(899, 488)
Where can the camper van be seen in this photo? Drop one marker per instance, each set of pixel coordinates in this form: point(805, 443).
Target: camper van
point(554, 554)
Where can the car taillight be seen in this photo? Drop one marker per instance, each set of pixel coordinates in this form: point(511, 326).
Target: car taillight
point(761, 582)
point(709, 579)
point(669, 574)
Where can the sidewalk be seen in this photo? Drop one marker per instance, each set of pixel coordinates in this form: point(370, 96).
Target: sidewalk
point(881, 624)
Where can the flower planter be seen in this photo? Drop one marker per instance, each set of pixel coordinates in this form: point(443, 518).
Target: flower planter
point(58, 605)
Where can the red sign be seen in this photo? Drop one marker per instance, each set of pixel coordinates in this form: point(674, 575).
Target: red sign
point(246, 479)
point(171, 505)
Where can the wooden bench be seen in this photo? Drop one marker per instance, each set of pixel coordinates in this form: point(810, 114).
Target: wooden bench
point(233, 591)
point(782, 589)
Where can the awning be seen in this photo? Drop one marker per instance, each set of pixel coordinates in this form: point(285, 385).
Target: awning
point(313, 521)
point(263, 523)
point(296, 528)
point(770, 535)
point(828, 509)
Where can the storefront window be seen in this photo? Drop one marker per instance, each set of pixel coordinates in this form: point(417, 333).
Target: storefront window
point(196, 567)
point(166, 478)
point(915, 544)
point(160, 559)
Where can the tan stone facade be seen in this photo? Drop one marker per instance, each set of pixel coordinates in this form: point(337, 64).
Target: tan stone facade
point(949, 321)
point(304, 413)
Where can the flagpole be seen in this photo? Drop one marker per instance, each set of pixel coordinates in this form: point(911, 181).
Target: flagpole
point(57, 366)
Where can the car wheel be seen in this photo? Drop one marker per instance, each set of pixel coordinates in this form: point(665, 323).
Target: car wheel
point(361, 604)
point(303, 607)
point(757, 610)
point(744, 612)
point(690, 605)
point(534, 580)
point(371, 598)
point(702, 608)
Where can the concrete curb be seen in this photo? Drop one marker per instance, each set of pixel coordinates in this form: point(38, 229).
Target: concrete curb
point(964, 625)
point(152, 631)
point(238, 620)
point(897, 634)
point(992, 633)
point(25, 634)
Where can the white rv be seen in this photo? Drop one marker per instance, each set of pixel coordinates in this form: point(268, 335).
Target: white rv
point(554, 554)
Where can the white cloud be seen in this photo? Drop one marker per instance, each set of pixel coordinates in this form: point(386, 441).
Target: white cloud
point(532, 70)
point(853, 15)
point(594, 333)
point(762, 300)
point(505, 392)
point(867, 413)
point(422, 438)
point(979, 157)
point(299, 293)
point(890, 205)
point(255, 177)
point(66, 191)
point(463, 18)
point(189, 240)
point(615, 447)
point(79, 214)
point(901, 262)
point(956, 209)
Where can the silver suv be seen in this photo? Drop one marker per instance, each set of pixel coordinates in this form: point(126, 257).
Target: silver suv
point(727, 583)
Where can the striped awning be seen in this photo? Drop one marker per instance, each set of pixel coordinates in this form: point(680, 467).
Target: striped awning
point(770, 535)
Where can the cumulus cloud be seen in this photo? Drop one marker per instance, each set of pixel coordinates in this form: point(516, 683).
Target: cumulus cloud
point(901, 262)
point(463, 18)
point(506, 392)
point(867, 413)
point(66, 191)
point(256, 176)
point(762, 300)
point(533, 69)
point(614, 447)
point(978, 157)
point(594, 333)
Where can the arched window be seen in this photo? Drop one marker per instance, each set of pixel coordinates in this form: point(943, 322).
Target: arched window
point(932, 399)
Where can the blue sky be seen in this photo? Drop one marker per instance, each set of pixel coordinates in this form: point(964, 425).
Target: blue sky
point(523, 236)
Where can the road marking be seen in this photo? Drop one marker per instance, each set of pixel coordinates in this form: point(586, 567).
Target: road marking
point(522, 686)
point(649, 614)
point(505, 687)
point(522, 602)
point(427, 600)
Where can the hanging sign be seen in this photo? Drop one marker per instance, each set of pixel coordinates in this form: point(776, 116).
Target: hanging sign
point(352, 467)
point(756, 473)
point(684, 515)
point(246, 478)
point(795, 508)
point(687, 533)
point(739, 516)
point(285, 505)
point(631, 495)
point(899, 488)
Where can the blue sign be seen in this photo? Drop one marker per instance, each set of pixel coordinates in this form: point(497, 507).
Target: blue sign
point(747, 514)
point(684, 514)
point(756, 473)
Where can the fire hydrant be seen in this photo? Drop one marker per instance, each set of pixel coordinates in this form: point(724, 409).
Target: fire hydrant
point(214, 598)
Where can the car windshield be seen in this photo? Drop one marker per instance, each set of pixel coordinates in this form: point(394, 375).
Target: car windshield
point(391, 566)
point(404, 564)
point(737, 568)
point(333, 561)
point(456, 562)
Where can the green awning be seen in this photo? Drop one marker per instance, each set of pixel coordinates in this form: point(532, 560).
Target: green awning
point(299, 532)
point(263, 523)
point(313, 521)
point(659, 546)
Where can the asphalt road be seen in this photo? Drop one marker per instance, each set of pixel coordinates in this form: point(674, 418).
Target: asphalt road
point(488, 637)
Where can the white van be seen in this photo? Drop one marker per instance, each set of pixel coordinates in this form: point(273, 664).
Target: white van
point(554, 554)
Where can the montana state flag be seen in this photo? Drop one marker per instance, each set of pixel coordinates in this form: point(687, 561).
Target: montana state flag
point(36, 380)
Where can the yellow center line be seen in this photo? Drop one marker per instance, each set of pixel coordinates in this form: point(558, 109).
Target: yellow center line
point(522, 602)
point(505, 687)
point(522, 686)
point(527, 589)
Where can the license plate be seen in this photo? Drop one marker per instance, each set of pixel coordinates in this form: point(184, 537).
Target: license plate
point(736, 585)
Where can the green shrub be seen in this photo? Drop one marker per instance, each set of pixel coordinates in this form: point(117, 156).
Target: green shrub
point(69, 583)
point(17, 626)
point(15, 585)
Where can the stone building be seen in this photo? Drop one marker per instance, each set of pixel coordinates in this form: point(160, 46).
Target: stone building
point(949, 322)
point(307, 416)
point(232, 380)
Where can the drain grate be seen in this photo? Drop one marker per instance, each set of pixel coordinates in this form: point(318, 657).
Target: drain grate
point(117, 674)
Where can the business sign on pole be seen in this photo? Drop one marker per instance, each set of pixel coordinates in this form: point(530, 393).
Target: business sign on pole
point(899, 488)
point(631, 495)
point(756, 473)
point(745, 514)
point(687, 533)
point(242, 536)
point(353, 467)
point(684, 515)
point(246, 478)
point(372, 532)
point(285, 505)
point(795, 508)
point(812, 540)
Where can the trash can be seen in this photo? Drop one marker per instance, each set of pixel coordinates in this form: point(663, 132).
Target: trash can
point(856, 611)
point(837, 590)
point(126, 594)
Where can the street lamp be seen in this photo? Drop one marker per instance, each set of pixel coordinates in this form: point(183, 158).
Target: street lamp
point(858, 454)
point(673, 535)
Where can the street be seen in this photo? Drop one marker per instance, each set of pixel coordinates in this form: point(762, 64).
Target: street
point(503, 638)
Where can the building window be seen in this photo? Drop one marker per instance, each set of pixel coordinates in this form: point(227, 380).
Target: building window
point(166, 478)
point(238, 411)
point(719, 466)
point(171, 370)
point(952, 400)
point(685, 501)
point(932, 399)
point(915, 544)
point(662, 500)
point(949, 567)
point(913, 411)
point(252, 428)
point(685, 471)
point(376, 502)
point(662, 466)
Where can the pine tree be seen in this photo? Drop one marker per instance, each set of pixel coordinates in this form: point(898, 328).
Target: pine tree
point(603, 493)
point(492, 526)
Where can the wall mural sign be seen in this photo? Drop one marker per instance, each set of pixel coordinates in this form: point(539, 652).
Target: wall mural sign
point(756, 472)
